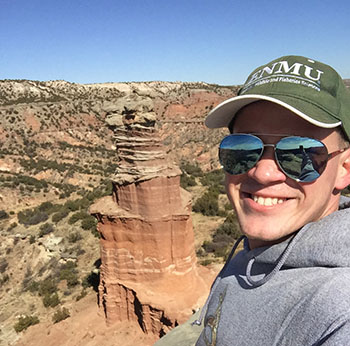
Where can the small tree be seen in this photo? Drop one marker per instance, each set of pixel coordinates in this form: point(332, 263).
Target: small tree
point(25, 322)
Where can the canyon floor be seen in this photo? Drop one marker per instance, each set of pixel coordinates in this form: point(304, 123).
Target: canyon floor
point(57, 156)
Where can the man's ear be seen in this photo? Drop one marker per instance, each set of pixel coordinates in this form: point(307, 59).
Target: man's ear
point(343, 179)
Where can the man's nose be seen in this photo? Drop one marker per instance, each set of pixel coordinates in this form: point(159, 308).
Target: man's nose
point(267, 171)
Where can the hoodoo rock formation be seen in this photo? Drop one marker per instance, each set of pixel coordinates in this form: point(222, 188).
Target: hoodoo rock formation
point(149, 272)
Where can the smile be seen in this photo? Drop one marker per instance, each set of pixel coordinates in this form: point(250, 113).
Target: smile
point(267, 201)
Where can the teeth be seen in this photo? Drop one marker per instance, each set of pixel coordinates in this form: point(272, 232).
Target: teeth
point(268, 201)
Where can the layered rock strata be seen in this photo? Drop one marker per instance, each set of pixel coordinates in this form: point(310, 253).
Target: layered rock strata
point(148, 272)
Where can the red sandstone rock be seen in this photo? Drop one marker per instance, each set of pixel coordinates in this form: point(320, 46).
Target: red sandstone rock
point(148, 272)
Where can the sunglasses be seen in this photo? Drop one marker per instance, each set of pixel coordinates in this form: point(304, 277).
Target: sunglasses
point(301, 158)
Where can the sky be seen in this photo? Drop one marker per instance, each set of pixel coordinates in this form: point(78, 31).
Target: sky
point(221, 41)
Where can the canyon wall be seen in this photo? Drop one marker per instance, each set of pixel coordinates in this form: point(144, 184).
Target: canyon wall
point(149, 272)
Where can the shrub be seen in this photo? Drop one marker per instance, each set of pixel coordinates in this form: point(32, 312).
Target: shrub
point(48, 207)
point(206, 262)
point(95, 232)
point(229, 227)
point(32, 217)
point(3, 215)
point(82, 294)
point(215, 177)
point(33, 287)
point(60, 215)
point(207, 204)
point(73, 205)
point(74, 237)
point(69, 272)
point(4, 279)
point(60, 315)
point(12, 226)
point(89, 223)
point(25, 322)
point(223, 237)
point(80, 215)
point(191, 169)
point(46, 228)
point(47, 287)
point(187, 180)
point(3, 265)
point(51, 300)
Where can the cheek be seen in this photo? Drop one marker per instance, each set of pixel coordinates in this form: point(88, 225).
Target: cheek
point(322, 189)
point(232, 183)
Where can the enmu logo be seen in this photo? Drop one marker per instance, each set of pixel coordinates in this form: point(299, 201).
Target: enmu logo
point(281, 72)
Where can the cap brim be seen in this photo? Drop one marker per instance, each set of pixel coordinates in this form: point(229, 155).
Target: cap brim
point(223, 113)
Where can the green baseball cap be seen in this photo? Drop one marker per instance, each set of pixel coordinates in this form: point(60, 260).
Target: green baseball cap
point(312, 90)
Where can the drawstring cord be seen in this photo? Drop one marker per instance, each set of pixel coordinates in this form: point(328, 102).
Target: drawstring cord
point(279, 265)
point(198, 322)
point(252, 282)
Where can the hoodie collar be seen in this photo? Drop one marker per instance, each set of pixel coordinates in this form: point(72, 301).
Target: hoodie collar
point(325, 243)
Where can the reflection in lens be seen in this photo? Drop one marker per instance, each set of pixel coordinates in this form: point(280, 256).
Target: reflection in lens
point(239, 152)
point(301, 158)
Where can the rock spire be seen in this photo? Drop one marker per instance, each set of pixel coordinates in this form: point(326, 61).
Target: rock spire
point(149, 272)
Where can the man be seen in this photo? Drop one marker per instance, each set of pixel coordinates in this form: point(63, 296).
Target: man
point(286, 162)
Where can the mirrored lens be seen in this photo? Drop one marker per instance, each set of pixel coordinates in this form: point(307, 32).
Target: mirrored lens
point(301, 158)
point(238, 153)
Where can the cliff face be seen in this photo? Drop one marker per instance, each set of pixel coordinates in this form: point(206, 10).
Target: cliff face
point(148, 272)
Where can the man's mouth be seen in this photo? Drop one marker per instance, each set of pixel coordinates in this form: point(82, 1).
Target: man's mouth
point(267, 201)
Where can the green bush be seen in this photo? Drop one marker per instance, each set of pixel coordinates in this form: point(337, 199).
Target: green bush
point(89, 223)
point(46, 228)
point(69, 272)
point(215, 177)
point(32, 217)
point(12, 226)
point(3, 215)
point(4, 278)
point(3, 265)
point(60, 315)
point(73, 205)
point(60, 215)
point(230, 227)
point(224, 237)
point(80, 215)
point(191, 169)
point(47, 287)
point(206, 262)
point(25, 322)
point(49, 207)
point(207, 204)
point(74, 237)
point(51, 300)
point(33, 286)
point(187, 181)
point(82, 294)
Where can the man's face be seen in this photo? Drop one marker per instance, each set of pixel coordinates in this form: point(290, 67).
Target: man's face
point(270, 205)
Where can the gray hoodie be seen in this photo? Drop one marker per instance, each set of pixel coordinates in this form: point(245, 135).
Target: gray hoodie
point(293, 293)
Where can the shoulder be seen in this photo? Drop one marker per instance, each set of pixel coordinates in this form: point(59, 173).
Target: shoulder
point(329, 294)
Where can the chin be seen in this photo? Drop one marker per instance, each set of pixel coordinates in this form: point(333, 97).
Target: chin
point(264, 234)
point(264, 238)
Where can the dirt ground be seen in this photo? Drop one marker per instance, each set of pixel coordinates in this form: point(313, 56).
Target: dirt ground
point(85, 327)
